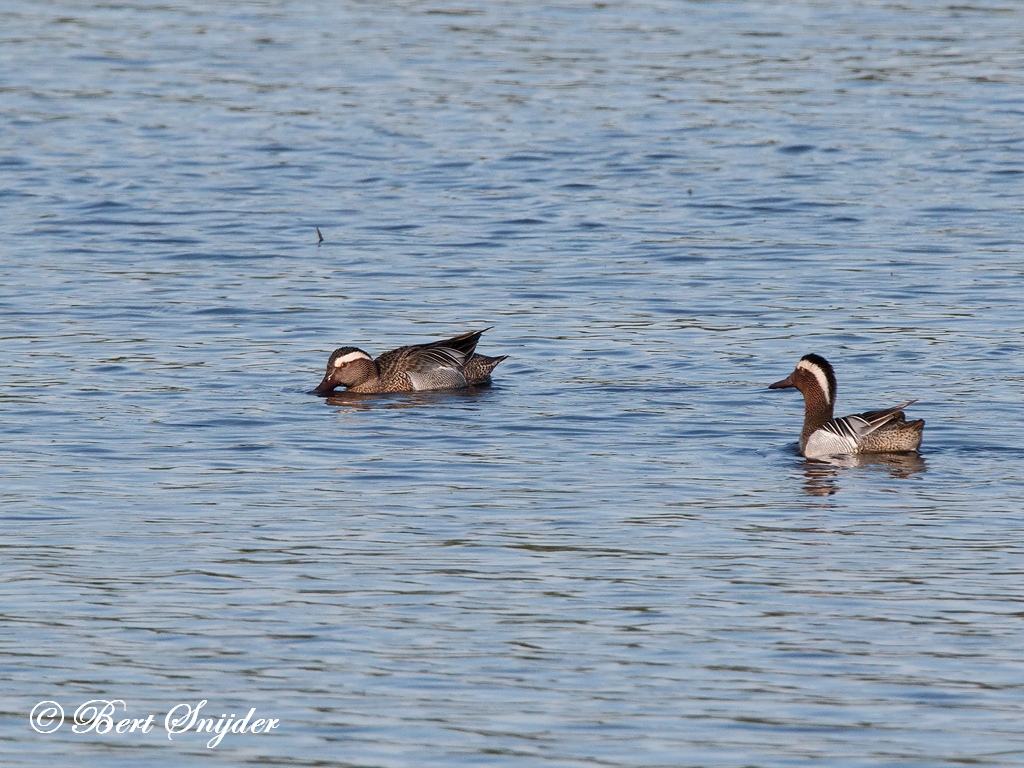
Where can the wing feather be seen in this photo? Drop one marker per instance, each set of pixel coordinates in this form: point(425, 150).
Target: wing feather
point(845, 434)
point(436, 367)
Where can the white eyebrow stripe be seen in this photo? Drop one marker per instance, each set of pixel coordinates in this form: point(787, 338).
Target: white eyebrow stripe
point(350, 357)
point(820, 376)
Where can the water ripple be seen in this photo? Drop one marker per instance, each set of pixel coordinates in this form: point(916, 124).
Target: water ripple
point(614, 555)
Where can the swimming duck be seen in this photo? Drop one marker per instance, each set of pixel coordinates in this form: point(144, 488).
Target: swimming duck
point(448, 364)
point(871, 432)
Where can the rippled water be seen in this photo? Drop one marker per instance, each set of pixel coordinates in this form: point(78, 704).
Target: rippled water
point(611, 557)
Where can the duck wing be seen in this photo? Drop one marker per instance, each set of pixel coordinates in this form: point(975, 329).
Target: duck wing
point(464, 343)
point(865, 423)
point(844, 435)
point(439, 366)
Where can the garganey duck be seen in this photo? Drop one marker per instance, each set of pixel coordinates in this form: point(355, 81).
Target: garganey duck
point(448, 364)
point(871, 432)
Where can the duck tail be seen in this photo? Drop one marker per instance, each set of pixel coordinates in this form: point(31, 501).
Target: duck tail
point(478, 368)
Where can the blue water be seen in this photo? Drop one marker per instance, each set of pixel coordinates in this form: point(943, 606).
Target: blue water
point(611, 557)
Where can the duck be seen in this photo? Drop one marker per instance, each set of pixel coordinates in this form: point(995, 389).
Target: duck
point(883, 431)
point(447, 364)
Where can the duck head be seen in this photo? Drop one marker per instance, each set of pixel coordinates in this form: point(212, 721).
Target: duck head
point(348, 367)
point(815, 379)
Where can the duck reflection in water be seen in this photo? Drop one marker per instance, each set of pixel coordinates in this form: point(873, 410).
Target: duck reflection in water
point(822, 475)
point(355, 401)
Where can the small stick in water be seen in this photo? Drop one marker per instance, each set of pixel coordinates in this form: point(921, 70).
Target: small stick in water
point(319, 235)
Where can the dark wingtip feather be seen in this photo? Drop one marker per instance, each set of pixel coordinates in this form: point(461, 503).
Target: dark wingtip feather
point(464, 342)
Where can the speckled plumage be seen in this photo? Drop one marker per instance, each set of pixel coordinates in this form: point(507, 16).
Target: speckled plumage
point(447, 364)
point(822, 435)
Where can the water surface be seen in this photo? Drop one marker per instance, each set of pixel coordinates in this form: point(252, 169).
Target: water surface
point(613, 556)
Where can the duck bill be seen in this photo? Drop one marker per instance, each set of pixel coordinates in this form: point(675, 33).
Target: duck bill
point(784, 384)
point(326, 386)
